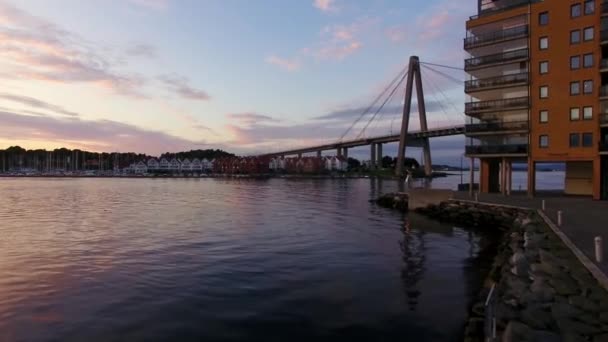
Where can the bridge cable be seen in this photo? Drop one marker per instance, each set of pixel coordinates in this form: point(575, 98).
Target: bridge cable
point(433, 93)
point(449, 77)
point(368, 109)
point(445, 96)
point(443, 66)
point(382, 106)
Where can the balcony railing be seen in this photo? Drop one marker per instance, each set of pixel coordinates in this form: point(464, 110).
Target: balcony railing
point(604, 91)
point(496, 36)
point(497, 149)
point(604, 7)
point(604, 119)
point(517, 102)
point(499, 6)
point(476, 62)
point(604, 35)
point(603, 146)
point(496, 82)
point(496, 126)
point(604, 64)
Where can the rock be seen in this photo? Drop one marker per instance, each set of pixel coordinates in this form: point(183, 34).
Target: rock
point(565, 285)
point(541, 290)
point(600, 338)
point(560, 310)
point(516, 332)
point(572, 337)
point(604, 317)
point(536, 317)
point(567, 325)
point(545, 336)
point(584, 304)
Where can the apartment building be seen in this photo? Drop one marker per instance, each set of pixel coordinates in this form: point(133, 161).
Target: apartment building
point(537, 91)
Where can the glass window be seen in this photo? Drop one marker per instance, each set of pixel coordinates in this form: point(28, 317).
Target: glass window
point(543, 18)
point(575, 140)
point(544, 67)
point(588, 34)
point(575, 37)
point(575, 62)
point(588, 60)
point(575, 114)
point(587, 139)
point(575, 10)
point(575, 88)
point(588, 113)
point(544, 116)
point(543, 141)
point(543, 43)
point(544, 92)
point(588, 87)
point(589, 7)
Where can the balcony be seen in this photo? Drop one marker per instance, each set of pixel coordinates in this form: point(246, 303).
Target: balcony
point(497, 149)
point(604, 36)
point(495, 37)
point(604, 119)
point(498, 58)
point(496, 82)
point(603, 146)
point(495, 6)
point(497, 105)
point(604, 8)
point(604, 92)
point(488, 127)
point(604, 65)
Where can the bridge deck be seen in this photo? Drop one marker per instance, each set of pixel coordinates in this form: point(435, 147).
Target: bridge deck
point(414, 138)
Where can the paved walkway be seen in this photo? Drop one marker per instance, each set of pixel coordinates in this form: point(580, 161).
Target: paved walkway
point(582, 218)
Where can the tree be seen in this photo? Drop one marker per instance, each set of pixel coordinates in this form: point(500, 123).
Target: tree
point(353, 163)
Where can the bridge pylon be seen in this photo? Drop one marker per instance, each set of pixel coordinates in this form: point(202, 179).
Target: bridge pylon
point(413, 75)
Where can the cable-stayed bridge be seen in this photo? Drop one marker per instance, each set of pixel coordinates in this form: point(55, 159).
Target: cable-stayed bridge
point(411, 76)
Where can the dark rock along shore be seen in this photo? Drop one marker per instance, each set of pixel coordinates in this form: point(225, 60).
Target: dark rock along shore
point(543, 292)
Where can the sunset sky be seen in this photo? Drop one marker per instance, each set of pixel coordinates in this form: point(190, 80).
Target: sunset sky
point(247, 76)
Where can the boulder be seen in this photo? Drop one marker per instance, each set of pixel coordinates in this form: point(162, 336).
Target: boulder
point(536, 317)
point(517, 332)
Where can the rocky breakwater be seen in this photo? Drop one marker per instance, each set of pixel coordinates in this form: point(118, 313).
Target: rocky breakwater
point(542, 291)
point(397, 200)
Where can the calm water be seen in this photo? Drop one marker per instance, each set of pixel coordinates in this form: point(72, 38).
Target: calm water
point(219, 260)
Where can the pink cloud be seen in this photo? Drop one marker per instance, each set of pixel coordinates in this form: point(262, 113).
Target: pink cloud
point(397, 33)
point(250, 118)
point(338, 52)
point(325, 5)
point(284, 63)
point(181, 86)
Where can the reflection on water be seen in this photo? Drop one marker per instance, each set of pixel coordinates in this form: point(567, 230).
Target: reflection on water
point(218, 260)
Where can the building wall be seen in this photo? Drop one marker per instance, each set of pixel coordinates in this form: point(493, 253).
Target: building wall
point(579, 178)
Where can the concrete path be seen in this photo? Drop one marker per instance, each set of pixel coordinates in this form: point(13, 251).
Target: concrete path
point(582, 218)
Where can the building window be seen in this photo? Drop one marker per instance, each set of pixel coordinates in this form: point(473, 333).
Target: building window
point(543, 141)
point(575, 140)
point(544, 92)
point(588, 113)
point(575, 62)
point(544, 67)
point(587, 139)
point(588, 87)
point(543, 18)
point(575, 11)
point(588, 34)
point(575, 114)
point(575, 88)
point(543, 43)
point(589, 7)
point(588, 60)
point(544, 116)
point(575, 37)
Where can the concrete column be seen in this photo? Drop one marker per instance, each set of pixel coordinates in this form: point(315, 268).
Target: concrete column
point(503, 176)
point(531, 178)
point(372, 159)
point(379, 155)
point(509, 177)
point(318, 154)
point(471, 176)
point(339, 152)
point(345, 152)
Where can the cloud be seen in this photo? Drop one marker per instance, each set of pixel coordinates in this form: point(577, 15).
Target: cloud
point(141, 50)
point(157, 5)
point(283, 63)
point(181, 86)
point(397, 34)
point(325, 5)
point(340, 41)
point(251, 118)
point(354, 112)
point(32, 48)
point(32, 102)
point(100, 135)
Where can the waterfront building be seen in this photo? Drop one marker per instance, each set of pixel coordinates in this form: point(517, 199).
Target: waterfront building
point(163, 165)
point(186, 165)
point(175, 165)
point(196, 165)
point(140, 168)
point(537, 90)
point(153, 164)
point(336, 163)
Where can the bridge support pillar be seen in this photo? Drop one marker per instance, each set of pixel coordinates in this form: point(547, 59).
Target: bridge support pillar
point(379, 155)
point(372, 159)
point(318, 154)
point(299, 155)
point(345, 152)
point(339, 152)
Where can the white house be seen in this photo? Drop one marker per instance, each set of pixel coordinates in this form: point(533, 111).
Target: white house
point(186, 165)
point(174, 165)
point(207, 164)
point(140, 168)
point(163, 165)
point(196, 165)
point(153, 164)
point(336, 163)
